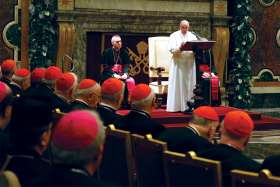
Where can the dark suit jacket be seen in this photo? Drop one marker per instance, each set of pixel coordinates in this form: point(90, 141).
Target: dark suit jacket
point(107, 114)
point(107, 61)
point(184, 139)
point(230, 158)
point(4, 142)
point(39, 89)
point(139, 122)
point(16, 89)
point(61, 103)
point(78, 105)
point(42, 90)
point(273, 164)
point(5, 80)
point(64, 175)
point(27, 164)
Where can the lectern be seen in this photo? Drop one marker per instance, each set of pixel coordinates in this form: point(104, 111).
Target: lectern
point(197, 44)
point(202, 91)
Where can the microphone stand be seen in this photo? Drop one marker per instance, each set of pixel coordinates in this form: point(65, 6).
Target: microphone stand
point(210, 65)
point(210, 78)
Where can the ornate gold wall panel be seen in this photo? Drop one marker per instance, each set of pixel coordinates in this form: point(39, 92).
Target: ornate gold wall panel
point(140, 59)
point(220, 49)
point(65, 45)
point(8, 16)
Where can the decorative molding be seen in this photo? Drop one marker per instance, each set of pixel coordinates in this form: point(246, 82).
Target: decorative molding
point(65, 4)
point(219, 8)
point(253, 42)
point(16, 49)
point(266, 3)
point(265, 90)
point(145, 5)
point(254, 78)
point(136, 21)
point(278, 37)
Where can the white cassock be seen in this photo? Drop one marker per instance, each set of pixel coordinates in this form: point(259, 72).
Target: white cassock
point(182, 73)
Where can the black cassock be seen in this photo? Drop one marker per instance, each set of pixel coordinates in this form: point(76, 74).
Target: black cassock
point(114, 62)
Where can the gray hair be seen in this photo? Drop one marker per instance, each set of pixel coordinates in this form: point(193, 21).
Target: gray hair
point(200, 120)
point(114, 38)
point(186, 22)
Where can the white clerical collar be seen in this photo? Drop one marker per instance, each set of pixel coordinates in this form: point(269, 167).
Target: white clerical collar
point(110, 106)
point(76, 170)
point(184, 35)
point(82, 101)
point(194, 130)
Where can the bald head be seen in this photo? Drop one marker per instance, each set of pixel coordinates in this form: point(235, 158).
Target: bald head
point(184, 26)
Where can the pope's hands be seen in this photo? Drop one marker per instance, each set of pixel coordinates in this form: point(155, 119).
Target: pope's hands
point(117, 76)
point(124, 76)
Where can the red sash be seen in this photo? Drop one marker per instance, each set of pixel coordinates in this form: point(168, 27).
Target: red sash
point(214, 85)
point(117, 68)
point(215, 88)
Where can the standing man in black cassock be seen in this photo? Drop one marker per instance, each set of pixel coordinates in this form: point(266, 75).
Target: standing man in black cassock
point(115, 61)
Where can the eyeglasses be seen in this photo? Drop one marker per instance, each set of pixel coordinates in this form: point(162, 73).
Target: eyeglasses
point(119, 41)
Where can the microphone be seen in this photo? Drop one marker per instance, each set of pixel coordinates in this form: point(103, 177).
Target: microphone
point(198, 36)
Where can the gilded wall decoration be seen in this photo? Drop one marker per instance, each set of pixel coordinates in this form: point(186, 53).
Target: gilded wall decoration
point(265, 52)
point(253, 37)
point(265, 75)
point(278, 38)
point(267, 2)
point(12, 32)
point(140, 60)
point(65, 4)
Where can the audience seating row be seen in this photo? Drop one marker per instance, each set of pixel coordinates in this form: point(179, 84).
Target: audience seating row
point(135, 160)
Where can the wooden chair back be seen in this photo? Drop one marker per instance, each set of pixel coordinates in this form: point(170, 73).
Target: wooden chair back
point(148, 156)
point(117, 164)
point(264, 178)
point(56, 115)
point(189, 170)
